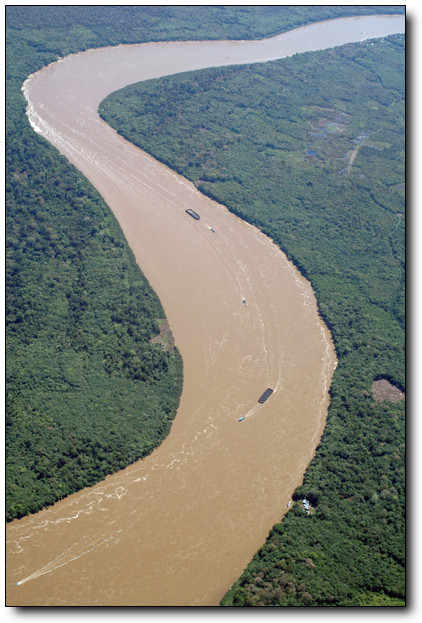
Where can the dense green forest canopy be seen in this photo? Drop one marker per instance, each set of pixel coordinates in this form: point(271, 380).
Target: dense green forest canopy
point(68, 29)
point(311, 150)
point(88, 391)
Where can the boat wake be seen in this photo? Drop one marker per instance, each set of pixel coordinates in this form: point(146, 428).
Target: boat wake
point(65, 558)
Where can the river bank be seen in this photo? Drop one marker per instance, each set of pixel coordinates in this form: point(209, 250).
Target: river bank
point(273, 353)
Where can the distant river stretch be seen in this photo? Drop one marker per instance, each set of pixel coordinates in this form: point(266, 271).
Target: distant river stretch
point(179, 527)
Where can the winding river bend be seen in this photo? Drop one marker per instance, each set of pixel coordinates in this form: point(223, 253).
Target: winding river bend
point(179, 527)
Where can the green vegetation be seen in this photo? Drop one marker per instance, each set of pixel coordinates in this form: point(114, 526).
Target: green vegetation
point(67, 29)
point(87, 389)
point(311, 150)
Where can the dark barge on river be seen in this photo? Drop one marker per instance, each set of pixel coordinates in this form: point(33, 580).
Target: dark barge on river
point(265, 395)
point(193, 214)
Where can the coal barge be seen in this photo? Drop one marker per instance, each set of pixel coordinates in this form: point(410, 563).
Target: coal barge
point(265, 395)
point(193, 214)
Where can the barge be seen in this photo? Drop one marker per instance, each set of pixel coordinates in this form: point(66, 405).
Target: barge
point(193, 214)
point(265, 395)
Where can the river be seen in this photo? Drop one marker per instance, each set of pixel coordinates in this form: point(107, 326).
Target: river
point(179, 527)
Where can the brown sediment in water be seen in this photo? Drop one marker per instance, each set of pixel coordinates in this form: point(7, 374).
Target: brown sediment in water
point(179, 527)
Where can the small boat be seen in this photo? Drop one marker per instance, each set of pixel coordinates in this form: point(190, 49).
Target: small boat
point(241, 418)
point(193, 214)
point(265, 395)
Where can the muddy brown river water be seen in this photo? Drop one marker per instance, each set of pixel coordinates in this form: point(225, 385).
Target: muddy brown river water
point(179, 527)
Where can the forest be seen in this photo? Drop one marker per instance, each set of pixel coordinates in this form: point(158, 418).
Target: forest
point(309, 149)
